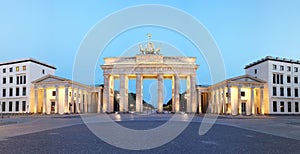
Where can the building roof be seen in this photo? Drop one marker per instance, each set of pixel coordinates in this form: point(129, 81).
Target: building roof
point(27, 60)
point(273, 59)
point(52, 79)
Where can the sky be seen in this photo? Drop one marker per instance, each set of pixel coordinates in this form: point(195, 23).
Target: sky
point(244, 31)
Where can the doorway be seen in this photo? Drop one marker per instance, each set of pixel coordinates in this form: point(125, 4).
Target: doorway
point(52, 107)
point(243, 106)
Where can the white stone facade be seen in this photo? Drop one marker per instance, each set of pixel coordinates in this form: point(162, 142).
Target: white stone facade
point(282, 76)
point(153, 66)
point(242, 95)
point(55, 95)
point(15, 81)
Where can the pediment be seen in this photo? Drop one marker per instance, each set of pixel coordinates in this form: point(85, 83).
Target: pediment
point(246, 78)
point(50, 78)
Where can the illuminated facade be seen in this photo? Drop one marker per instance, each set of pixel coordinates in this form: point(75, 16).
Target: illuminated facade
point(153, 66)
point(242, 95)
point(15, 81)
point(56, 95)
point(282, 76)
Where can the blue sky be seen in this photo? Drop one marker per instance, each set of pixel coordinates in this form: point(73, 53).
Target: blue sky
point(245, 31)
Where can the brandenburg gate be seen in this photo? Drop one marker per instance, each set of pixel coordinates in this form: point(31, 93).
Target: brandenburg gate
point(149, 64)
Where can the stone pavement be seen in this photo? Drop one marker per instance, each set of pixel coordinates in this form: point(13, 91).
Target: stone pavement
point(283, 126)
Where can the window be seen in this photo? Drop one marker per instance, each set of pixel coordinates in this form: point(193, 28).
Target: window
point(289, 107)
point(10, 107)
point(24, 68)
point(3, 92)
point(274, 67)
point(53, 93)
point(17, 91)
point(11, 79)
point(296, 69)
point(289, 68)
point(281, 106)
point(17, 105)
point(255, 71)
point(70, 93)
point(21, 79)
point(288, 79)
point(243, 93)
point(296, 107)
point(11, 69)
point(24, 91)
point(296, 79)
point(4, 70)
point(278, 78)
point(24, 79)
point(3, 106)
point(4, 80)
point(289, 92)
point(43, 71)
point(274, 78)
point(281, 68)
point(274, 106)
point(296, 92)
point(281, 91)
point(274, 91)
point(17, 69)
point(18, 80)
point(10, 92)
point(24, 106)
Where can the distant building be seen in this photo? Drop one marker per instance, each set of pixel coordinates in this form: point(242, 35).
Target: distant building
point(15, 81)
point(282, 77)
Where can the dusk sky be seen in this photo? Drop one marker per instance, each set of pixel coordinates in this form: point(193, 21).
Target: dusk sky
point(245, 31)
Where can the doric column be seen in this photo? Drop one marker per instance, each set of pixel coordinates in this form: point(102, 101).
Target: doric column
point(57, 99)
point(199, 101)
point(188, 94)
point(139, 91)
point(87, 100)
point(214, 110)
point(176, 93)
point(111, 94)
point(45, 101)
point(224, 101)
point(106, 94)
point(252, 110)
point(35, 110)
point(122, 93)
point(67, 99)
point(239, 100)
point(160, 92)
point(193, 94)
point(81, 101)
point(262, 100)
point(77, 101)
point(126, 94)
point(72, 100)
point(219, 104)
point(99, 102)
point(173, 93)
point(229, 98)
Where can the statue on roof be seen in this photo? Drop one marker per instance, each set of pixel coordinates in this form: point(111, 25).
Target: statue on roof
point(149, 48)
